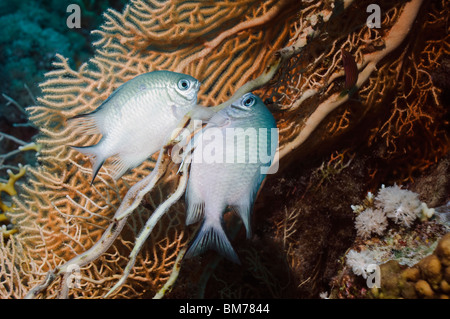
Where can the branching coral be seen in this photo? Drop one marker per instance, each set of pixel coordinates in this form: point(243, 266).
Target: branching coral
point(17, 268)
point(9, 187)
point(410, 126)
point(59, 214)
point(325, 71)
point(295, 46)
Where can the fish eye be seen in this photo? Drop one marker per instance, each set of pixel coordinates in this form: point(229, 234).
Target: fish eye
point(184, 84)
point(248, 101)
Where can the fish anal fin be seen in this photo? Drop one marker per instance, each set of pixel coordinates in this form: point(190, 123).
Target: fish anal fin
point(118, 167)
point(95, 169)
point(94, 156)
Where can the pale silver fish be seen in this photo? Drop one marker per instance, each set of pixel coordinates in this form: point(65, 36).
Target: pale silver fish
point(228, 169)
point(137, 118)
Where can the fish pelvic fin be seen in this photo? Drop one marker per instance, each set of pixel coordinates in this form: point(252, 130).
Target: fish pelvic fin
point(212, 236)
point(97, 160)
point(245, 211)
point(195, 205)
point(194, 213)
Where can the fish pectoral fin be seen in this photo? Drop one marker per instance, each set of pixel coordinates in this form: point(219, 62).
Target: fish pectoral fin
point(212, 236)
point(188, 147)
point(195, 204)
point(178, 112)
point(218, 121)
point(94, 156)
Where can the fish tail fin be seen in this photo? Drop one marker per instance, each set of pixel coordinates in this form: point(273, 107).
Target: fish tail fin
point(94, 154)
point(212, 236)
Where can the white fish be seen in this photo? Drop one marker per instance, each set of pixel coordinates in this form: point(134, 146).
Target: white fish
point(235, 173)
point(137, 118)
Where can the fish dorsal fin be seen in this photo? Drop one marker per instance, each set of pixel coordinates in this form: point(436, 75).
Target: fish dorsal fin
point(85, 124)
point(90, 123)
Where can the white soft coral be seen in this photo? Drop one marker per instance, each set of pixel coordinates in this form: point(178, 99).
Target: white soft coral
point(360, 262)
point(400, 205)
point(371, 221)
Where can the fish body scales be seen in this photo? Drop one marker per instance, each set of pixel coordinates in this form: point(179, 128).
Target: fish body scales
point(137, 118)
point(226, 171)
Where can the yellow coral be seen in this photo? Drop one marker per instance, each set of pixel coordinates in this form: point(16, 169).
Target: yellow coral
point(9, 187)
point(31, 147)
point(4, 231)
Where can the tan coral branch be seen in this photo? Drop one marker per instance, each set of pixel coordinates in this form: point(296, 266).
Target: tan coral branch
point(394, 38)
point(209, 46)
